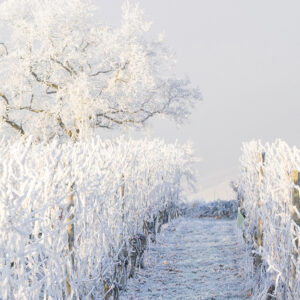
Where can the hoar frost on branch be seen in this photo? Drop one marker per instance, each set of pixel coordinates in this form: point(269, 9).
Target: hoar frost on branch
point(34, 251)
point(266, 189)
point(62, 73)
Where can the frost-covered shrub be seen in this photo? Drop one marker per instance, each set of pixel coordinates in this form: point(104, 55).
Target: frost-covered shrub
point(218, 208)
point(107, 189)
point(266, 189)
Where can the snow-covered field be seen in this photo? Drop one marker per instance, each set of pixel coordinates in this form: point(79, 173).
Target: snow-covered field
point(192, 259)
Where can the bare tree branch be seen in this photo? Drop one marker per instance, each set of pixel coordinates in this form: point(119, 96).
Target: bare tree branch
point(68, 68)
point(47, 83)
point(63, 127)
point(147, 114)
point(14, 125)
point(49, 92)
point(102, 72)
point(5, 98)
point(62, 65)
point(119, 122)
point(71, 68)
point(111, 70)
point(29, 108)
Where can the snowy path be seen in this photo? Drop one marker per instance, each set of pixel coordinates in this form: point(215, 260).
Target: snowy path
point(193, 259)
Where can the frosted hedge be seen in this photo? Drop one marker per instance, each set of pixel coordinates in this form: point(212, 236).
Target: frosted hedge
point(270, 228)
point(105, 189)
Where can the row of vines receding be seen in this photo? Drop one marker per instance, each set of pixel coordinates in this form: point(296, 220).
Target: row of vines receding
point(75, 218)
point(268, 191)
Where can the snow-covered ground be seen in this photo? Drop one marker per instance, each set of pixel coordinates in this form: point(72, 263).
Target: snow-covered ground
point(194, 258)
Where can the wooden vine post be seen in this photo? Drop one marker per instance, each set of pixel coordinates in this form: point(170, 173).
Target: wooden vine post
point(71, 236)
point(259, 232)
point(124, 250)
point(111, 286)
point(123, 200)
point(296, 204)
point(241, 212)
point(70, 233)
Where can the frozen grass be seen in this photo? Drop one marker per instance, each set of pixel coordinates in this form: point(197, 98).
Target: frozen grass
point(192, 259)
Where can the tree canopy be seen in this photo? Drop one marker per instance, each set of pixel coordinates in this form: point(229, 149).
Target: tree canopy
point(64, 73)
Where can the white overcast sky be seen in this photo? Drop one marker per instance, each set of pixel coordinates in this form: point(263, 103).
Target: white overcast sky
point(245, 57)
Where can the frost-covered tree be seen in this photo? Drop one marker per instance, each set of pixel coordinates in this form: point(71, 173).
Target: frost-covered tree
point(63, 73)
